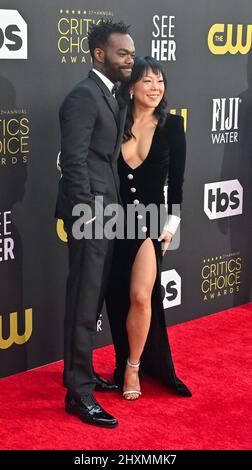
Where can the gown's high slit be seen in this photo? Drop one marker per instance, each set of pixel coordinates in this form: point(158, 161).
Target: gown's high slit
point(148, 179)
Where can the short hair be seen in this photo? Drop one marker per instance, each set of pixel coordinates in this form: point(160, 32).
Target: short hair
point(99, 33)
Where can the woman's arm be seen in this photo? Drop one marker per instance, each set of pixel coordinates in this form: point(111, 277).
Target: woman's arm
point(175, 180)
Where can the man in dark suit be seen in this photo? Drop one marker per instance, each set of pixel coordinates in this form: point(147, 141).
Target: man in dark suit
point(92, 124)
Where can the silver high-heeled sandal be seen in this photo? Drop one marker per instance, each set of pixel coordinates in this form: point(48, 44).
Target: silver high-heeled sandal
point(132, 392)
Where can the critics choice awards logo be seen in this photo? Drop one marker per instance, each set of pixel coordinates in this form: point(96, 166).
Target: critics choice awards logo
point(163, 44)
point(13, 35)
point(14, 137)
point(229, 38)
point(72, 27)
point(221, 276)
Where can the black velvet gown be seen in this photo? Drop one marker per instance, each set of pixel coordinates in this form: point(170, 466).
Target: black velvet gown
point(164, 162)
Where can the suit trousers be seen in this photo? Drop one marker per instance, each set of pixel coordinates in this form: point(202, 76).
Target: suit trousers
point(89, 270)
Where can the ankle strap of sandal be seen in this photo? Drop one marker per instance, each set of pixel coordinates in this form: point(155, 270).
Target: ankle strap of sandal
point(130, 364)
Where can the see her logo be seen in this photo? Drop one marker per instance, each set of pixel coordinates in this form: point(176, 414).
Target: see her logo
point(13, 35)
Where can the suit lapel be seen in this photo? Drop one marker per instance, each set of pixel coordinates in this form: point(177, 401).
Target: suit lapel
point(117, 106)
point(122, 117)
point(110, 100)
point(112, 103)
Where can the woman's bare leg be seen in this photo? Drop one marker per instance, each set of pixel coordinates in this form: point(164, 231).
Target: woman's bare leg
point(143, 275)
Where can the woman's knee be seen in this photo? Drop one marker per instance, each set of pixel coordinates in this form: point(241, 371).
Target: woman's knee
point(141, 298)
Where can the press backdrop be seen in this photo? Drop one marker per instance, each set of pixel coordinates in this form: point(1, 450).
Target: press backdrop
point(206, 50)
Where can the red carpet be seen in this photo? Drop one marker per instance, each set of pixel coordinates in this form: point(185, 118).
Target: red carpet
point(212, 355)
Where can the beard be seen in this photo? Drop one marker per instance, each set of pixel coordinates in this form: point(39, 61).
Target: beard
point(114, 72)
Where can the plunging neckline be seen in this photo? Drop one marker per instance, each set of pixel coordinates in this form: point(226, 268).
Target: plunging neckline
point(138, 166)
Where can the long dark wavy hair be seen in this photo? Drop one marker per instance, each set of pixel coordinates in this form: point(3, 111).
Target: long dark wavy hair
point(140, 68)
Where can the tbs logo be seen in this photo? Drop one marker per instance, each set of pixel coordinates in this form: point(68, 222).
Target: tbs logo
point(171, 288)
point(13, 35)
point(223, 199)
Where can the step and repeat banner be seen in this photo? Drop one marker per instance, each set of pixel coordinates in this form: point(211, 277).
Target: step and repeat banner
point(206, 51)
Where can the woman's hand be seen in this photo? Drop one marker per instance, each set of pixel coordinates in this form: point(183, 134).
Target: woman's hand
point(166, 237)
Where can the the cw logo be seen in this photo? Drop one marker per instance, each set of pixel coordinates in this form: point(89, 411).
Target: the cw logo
point(14, 336)
point(183, 113)
point(220, 45)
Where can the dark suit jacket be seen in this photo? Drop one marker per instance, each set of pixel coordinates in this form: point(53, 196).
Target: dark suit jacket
point(92, 125)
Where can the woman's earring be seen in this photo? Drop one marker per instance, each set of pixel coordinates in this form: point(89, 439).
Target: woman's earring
point(131, 95)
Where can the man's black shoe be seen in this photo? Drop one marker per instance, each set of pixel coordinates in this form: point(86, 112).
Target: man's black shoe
point(104, 385)
point(89, 411)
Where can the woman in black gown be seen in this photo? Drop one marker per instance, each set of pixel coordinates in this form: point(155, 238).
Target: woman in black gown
point(153, 149)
